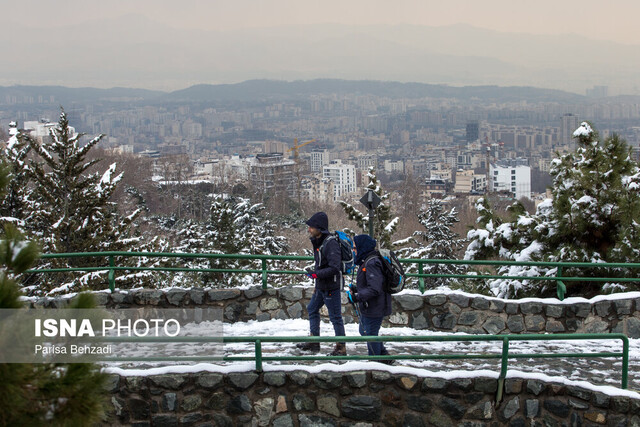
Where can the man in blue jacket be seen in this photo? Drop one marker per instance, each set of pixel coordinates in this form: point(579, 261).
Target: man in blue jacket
point(373, 302)
point(328, 277)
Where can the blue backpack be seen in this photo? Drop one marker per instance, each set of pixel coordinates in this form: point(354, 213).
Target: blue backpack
point(346, 250)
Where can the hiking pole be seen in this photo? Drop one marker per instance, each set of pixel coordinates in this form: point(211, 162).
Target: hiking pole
point(353, 303)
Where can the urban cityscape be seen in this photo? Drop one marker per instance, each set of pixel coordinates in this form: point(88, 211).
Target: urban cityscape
point(320, 147)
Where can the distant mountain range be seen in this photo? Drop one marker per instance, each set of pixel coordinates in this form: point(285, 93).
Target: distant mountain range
point(262, 90)
point(133, 51)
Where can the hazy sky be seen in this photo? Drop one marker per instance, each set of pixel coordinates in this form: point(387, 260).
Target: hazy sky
point(615, 20)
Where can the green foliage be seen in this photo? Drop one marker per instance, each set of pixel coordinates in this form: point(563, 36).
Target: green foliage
point(43, 394)
point(57, 200)
point(16, 178)
point(436, 241)
point(593, 217)
point(384, 225)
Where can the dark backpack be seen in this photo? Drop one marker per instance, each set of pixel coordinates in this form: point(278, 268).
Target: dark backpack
point(346, 250)
point(392, 270)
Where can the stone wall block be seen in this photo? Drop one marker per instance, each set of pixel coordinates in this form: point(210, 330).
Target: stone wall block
point(534, 323)
point(494, 325)
point(581, 309)
point(222, 294)
point(623, 307)
point(515, 323)
point(461, 301)
point(603, 308)
point(410, 302)
point(196, 296)
point(253, 292)
point(479, 303)
point(362, 408)
point(554, 310)
point(531, 308)
point(290, 293)
point(436, 300)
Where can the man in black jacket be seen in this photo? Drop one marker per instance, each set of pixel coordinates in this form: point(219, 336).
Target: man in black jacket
point(328, 277)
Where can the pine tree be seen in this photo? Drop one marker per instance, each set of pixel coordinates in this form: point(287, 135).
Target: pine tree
point(436, 241)
point(593, 217)
point(235, 226)
point(69, 209)
point(14, 201)
point(384, 225)
point(42, 394)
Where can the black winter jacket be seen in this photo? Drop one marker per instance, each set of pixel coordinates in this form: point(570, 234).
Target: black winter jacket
point(328, 263)
point(372, 299)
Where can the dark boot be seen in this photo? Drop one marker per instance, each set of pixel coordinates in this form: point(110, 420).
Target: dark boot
point(313, 347)
point(339, 350)
point(386, 361)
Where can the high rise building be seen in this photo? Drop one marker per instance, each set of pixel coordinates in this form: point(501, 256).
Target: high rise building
point(271, 173)
point(319, 158)
point(473, 131)
point(568, 124)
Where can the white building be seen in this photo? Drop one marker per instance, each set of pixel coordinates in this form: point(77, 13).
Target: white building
point(467, 182)
point(319, 158)
point(513, 176)
point(391, 166)
point(39, 130)
point(343, 177)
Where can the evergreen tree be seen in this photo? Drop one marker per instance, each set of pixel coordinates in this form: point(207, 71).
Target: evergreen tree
point(14, 201)
point(69, 209)
point(235, 226)
point(592, 217)
point(42, 394)
point(384, 225)
point(436, 241)
point(74, 212)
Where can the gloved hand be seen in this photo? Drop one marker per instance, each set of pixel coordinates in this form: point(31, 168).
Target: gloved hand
point(353, 298)
point(353, 288)
point(311, 273)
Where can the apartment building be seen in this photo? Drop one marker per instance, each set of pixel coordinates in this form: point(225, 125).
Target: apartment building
point(343, 177)
point(513, 176)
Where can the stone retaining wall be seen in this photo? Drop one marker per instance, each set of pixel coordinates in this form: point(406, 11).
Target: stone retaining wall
point(446, 312)
point(358, 398)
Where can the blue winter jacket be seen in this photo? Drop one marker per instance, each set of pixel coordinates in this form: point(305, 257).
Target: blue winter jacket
point(372, 299)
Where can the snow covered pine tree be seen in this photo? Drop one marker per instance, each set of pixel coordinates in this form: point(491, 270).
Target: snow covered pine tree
point(592, 217)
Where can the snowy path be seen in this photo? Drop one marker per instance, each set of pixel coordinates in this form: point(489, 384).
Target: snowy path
point(598, 371)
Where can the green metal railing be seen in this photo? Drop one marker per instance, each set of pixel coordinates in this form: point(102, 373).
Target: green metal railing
point(259, 357)
point(264, 271)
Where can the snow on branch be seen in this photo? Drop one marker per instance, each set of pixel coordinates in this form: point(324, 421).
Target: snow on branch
point(583, 130)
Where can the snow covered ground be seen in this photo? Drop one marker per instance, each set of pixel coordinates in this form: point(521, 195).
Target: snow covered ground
point(603, 374)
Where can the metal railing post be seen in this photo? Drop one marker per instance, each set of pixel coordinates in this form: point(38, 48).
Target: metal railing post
point(258, 356)
point(561, 289)
point(503, 369)
point(264, 273)
point(112, 274)
point(625, 361)
point(421, 279)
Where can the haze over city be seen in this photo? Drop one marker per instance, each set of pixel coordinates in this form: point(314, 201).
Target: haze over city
point(568, 45)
